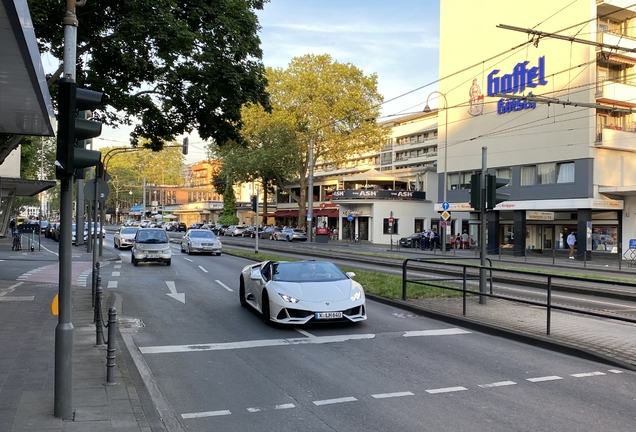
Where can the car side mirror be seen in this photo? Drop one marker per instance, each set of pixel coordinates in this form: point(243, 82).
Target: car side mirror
point(256, 274)
point(350, 274)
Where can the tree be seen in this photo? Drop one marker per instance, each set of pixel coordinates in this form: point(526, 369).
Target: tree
point(333, 103)
point(167, 67)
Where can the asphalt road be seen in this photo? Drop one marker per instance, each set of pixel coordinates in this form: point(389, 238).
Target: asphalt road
point(216, 366)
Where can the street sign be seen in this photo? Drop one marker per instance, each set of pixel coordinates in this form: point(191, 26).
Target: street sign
point(102, 190)
point(308, 216)
point(350, 217)
point(446, 215)
point(391, 221)
point(445, 205)
point(443, 224)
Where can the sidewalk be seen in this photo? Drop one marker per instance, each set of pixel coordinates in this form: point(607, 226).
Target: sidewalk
point(27, 359)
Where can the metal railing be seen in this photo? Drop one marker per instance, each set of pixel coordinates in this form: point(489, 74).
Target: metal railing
point(471, 272)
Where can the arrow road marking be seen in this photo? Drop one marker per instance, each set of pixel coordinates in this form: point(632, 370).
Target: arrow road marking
point(173, 292)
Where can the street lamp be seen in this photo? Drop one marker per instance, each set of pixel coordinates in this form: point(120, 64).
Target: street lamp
point(428, 109)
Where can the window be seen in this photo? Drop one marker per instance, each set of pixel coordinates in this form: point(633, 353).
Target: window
point(452, 181)
point(464, 180)
point(565, 172)
point(504, 173)
point(386, 229)
point(546, 173)
point(527, 175)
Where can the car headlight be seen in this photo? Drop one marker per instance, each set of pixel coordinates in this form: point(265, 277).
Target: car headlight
point(356, 295)
point(196, 244)
point(288, 299)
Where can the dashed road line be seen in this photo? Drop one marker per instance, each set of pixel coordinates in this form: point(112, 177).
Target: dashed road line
point(334, 401)
point(392, 395)
point(497, 384)
point(277, 407)
point(545, 378)
point(206, 414)
point(439, 332)
point(446, 390)
point(112, 284)
point(587, 374)
point(615, 371)
point(201, 267)
point(188, 259)
point(116, 274)
point(224, 286)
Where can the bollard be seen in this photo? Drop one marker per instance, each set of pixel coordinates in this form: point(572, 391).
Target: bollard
point(98, 316)
point(110, 351)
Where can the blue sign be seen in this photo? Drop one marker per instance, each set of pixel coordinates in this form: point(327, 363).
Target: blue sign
point(445, 205)
point(632, 243)
point(518, 80)
point(308, 216)
point(350, 217)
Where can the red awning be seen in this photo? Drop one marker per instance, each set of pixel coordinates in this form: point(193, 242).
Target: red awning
point(282, 213)
point(329, 212)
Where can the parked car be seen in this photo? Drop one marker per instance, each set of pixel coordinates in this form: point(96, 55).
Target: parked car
point(249, 231)
point(144, 223)
point(219, 229)
point(267, 233)
point(201, 241)
point(300, 292)
point(412, 241)
point(235, 230)
point(151, 245)
point(99, 230)
point(48, 232)
point(291, 234)
point(55, 231)
point(43, 225)
point(180, 227)
point(124, 237)
point(196, 225)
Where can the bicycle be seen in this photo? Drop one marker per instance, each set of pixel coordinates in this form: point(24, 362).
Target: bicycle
point(17, 241)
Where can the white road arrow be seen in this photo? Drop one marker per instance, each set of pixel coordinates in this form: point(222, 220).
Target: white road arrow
point(173, 292)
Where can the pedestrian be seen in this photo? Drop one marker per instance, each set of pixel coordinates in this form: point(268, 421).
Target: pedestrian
point(465, 243)
point(335, 233)
point(423, 240)
point(458, 240)
point(12, 226)
point(571, 242)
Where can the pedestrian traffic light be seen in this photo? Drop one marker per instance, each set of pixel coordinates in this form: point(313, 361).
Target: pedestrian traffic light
point(493, 197)
point(475, 191)
point(254, 200)
point(186, 142)
point(71, 128)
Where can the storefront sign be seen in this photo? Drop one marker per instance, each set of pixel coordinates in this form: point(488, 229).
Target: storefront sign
point(516, 82)
point(539, 215)
point(378, 194)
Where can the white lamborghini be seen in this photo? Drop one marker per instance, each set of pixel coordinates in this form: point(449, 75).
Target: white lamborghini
point(301, 292)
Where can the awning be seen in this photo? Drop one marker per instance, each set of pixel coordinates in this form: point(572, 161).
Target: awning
point(25, 187)
point(281, 213)
point(329, 212)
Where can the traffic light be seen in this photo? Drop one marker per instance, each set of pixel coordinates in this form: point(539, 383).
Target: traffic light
point(71, 128)
point(186, 141)
point(254, 200)
point(475, 191)
point(493, 197)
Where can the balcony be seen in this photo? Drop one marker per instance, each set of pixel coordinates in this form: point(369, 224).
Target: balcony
point(616, 137)
point(609, 91)
point(623, 41)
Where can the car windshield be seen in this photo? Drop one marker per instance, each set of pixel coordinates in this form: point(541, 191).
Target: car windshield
point(203, 234)
point(152, 236)
point(130, 230)
point(307, 271)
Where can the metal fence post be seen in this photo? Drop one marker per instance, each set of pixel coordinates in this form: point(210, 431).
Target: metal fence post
point(98, 315)
point(110, 351)
point(95, 275)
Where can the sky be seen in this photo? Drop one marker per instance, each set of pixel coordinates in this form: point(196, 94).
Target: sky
point(396, 40)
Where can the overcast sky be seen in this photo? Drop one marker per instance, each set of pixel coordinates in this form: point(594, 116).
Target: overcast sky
point(397, 40)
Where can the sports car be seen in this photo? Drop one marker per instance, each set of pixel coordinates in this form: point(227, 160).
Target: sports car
point(301, 292)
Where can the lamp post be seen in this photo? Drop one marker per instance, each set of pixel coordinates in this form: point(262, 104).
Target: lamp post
point(428, 109)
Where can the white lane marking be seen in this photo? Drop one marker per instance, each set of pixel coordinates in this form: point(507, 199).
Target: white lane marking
point(497, 384)
point(201, 267)
point(116, 274)
point(616, 371)
point(173, 292)
point(117, 266)
point(335, 401)
point(224, 286)
point(206, 414)
point(306, 333)
point(10, 289)
point(446, 390)
point(118, 261)
point(188, 259)
point(587, 374)
point(17, 298)
point(391, 395)
point(112, 284)
point(277, 407)
point(545, 378)
point(440, 332)
point(250, 344)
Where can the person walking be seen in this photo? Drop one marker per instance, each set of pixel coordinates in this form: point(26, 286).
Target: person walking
point(571, 242)
point(465, 242)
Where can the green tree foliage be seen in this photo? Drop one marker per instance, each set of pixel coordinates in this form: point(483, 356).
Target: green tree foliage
point(317, 98)
point(229, 206)
point(167, 67)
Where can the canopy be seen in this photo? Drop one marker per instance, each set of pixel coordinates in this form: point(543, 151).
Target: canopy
point(371, 175)
point(169, 216)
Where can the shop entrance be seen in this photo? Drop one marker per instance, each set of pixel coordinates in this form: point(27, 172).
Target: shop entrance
point(363, 228)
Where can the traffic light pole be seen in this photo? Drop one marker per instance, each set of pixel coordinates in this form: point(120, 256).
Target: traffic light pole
point(482, 233)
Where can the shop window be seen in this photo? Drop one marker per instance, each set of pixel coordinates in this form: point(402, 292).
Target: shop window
point(394, 228)
point(528, 175)
point(546, 173)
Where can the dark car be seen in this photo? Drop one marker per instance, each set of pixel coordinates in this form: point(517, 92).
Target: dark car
point(250, 232)
point(180, 227)
point(268, 233)
point(412, 241)
point(196, 225)
point(219, 229)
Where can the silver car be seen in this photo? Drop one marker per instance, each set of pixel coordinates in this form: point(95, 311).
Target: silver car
point(151, 245)
point(201, 241)
point(291, 234)
point(124, 237)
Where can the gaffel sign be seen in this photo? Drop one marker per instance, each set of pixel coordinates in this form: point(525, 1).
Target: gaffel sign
point(521, 78)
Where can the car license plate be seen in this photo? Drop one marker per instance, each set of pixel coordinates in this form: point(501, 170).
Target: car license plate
point(152, 256)
point(207, 247)
point(328, 315)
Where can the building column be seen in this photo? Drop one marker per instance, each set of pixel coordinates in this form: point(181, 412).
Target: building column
point(493, 242)
point(519, 231)
point(583, 216)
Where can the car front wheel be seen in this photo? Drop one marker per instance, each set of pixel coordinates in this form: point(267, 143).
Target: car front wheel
point(242, 292)
point(265, 308)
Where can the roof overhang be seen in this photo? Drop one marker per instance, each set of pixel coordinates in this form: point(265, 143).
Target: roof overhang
point(24, 187)
point(25, 101)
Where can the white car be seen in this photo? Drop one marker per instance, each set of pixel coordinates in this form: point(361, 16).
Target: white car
point(201, 241)
point(301, 292)
point(151, 245)
point(124, 237)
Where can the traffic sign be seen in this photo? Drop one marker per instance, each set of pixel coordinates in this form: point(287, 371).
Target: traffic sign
point(443, 224)
point(350, 217)
point(391, 220)
point(445, 205)
point(102, 190)
point(446, 215)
